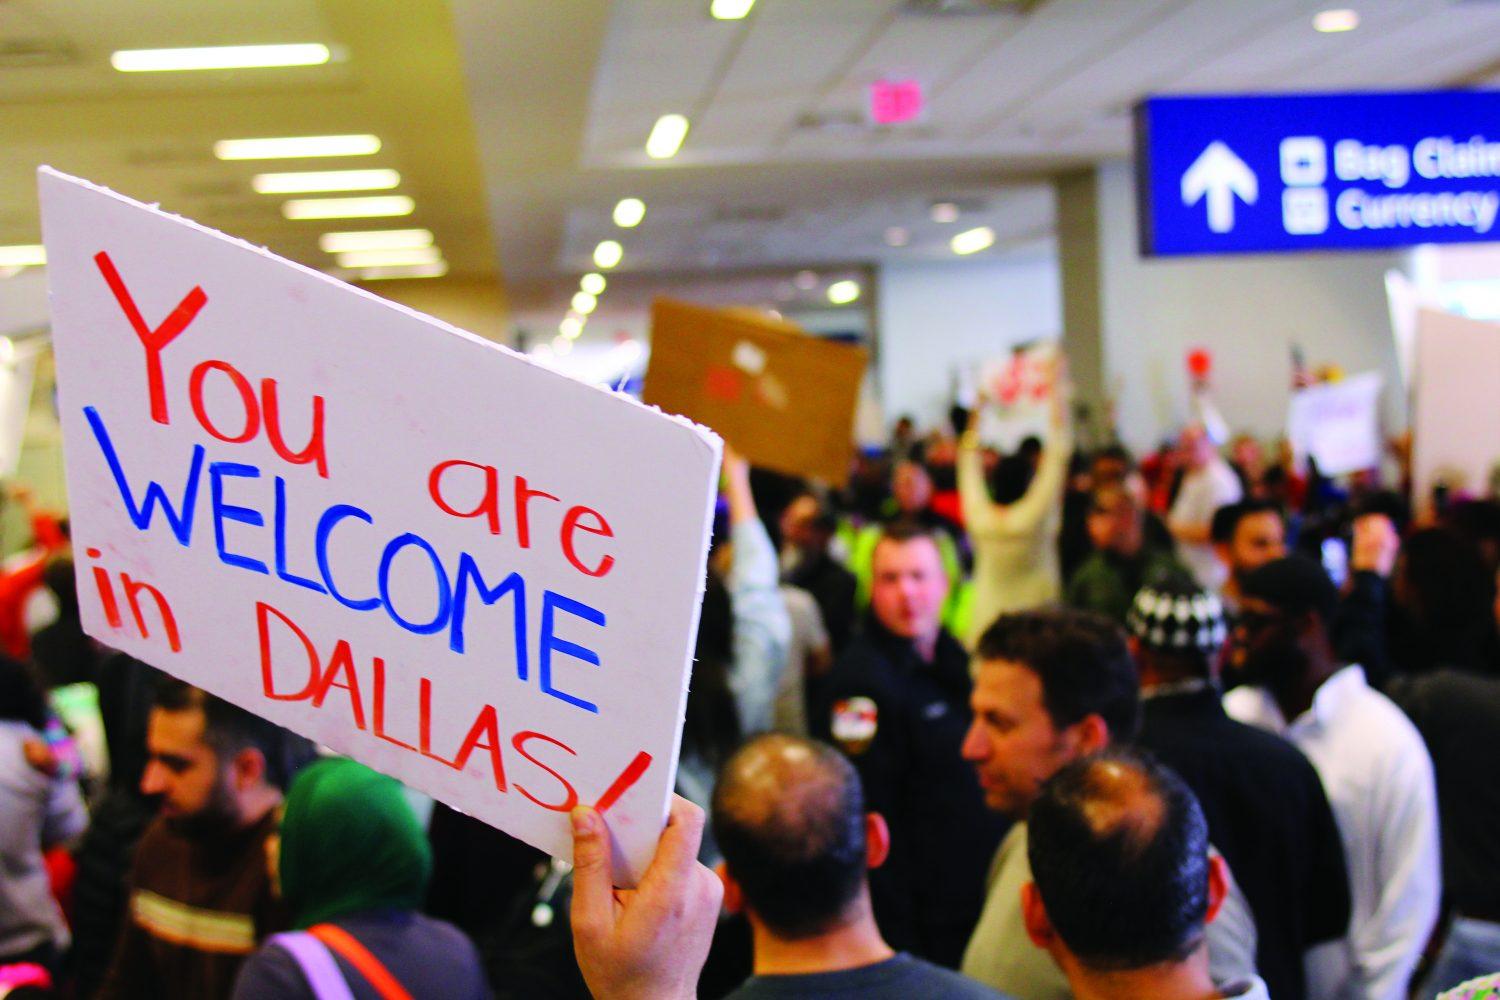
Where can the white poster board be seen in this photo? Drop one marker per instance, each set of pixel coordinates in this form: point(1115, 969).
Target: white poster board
point(1456, 433)
point(405, 542)
point(1015, 395)
point(1337, 424)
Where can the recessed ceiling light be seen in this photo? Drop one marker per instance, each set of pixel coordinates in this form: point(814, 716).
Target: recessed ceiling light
point(730, 10)
point(1336, 20)
point(24, 255)
point(666, 137)
point(806, 280)
point(218, 57)
point(897, 236)
point(944, 211)
point(583, 303)
point(348, 208)
point(973, 240)
point(562, 346)
point(593, 283)
point(571, 327)
point(409, 271)
point(390, 258)
point(293, 147)
point(841, 293)
point(304, 182)
point(607, 254)
point(629, 212)
point(375, 239)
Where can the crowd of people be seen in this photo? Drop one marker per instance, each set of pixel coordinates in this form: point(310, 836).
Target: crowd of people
point(1040, 724)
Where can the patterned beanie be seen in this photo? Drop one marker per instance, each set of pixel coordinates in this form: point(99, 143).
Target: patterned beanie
point(1174, 616)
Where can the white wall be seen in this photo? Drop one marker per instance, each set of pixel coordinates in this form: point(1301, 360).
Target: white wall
point(1246, 310)
point(936, 318)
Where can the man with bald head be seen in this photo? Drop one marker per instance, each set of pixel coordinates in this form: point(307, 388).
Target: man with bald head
point(1123, 883)
point(789, 817)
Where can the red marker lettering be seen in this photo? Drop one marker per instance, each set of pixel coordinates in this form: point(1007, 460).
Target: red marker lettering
point(154, 341)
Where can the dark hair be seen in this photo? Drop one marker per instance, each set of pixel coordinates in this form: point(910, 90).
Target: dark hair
point(1296, 585)
point(798, 854)
point(1449, 592)
point(1387, 503)
point(1010, 478)
point(711, 727)
point(905, 529)
point(21, 696)
point(229, 729)
point(1119, 852)
point(1081, 659)
point(1116, 453)
point(1228, 517)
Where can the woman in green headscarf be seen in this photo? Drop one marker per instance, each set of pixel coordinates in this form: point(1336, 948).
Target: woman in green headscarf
point(353, 865)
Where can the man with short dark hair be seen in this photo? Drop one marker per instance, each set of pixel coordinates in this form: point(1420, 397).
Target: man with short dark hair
point(1052, 686)
point(897, 704)
point(1373, 765)
point(1122, 559)
point(1123, 883)
point(807, 527)
point(1265, 806)
point(200, 896)
point(789, 818)
point(1246, 535)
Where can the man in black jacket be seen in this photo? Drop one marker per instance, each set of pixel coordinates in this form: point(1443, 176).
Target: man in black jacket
point(1265, 805)
point(897, 703)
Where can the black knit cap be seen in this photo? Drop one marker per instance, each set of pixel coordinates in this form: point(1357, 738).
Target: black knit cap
point(1294, 584)
point(1174, 615)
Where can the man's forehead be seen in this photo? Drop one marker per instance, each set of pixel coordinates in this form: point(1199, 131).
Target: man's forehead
point(176, 729)
point(905, 552)
point(1007, 682)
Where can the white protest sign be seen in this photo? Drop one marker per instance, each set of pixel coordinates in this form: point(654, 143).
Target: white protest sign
point(400, 540)
point(1337, 424)
point(1456, 438)
point(1016, 394)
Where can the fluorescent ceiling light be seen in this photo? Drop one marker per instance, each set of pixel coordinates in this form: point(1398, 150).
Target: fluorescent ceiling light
point(584, 303)
point(218, 57)
point(607, 254)
point(375, 239)
point(293, 147)
point(841, 293)
point(666, 137)
point(593, 283)
point(1339, 19)
point(629, 212)
point(408, 271)
point(897, 236)
point(25, 255)
point(944, 211)
point(973, 240)
point(571, 327)
point(348, 208)
point(389, 258)
point(730, 10)
point(325, 180)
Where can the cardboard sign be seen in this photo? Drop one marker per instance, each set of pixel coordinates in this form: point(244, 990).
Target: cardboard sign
point(398, 539)
point(784, 399)
point(1456, 438)
point(1338, 425)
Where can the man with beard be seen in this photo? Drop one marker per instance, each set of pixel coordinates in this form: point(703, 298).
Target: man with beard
point(200, 896)
point(1373, 765)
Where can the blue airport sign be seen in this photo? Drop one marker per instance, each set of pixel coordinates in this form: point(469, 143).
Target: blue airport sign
point(1317, 171)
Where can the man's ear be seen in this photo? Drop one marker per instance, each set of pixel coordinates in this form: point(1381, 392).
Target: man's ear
point(1218, 885)
point(1090, 735)
point(734, 898)
point(247, 769)
point(877, 840)
point(1034, 915)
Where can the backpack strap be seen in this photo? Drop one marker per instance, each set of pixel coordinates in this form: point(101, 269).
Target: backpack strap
point(359, 956)
point(317, 964)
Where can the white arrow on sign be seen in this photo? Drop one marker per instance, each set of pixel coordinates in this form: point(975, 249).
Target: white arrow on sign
point(1220, 175)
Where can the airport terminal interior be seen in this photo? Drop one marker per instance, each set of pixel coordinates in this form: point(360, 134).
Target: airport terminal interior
point(754, 498)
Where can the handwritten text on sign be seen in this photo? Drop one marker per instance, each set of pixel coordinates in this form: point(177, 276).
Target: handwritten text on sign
point(399, 540)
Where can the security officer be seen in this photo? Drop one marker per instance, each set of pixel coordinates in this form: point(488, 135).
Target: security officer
point(897, 703)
